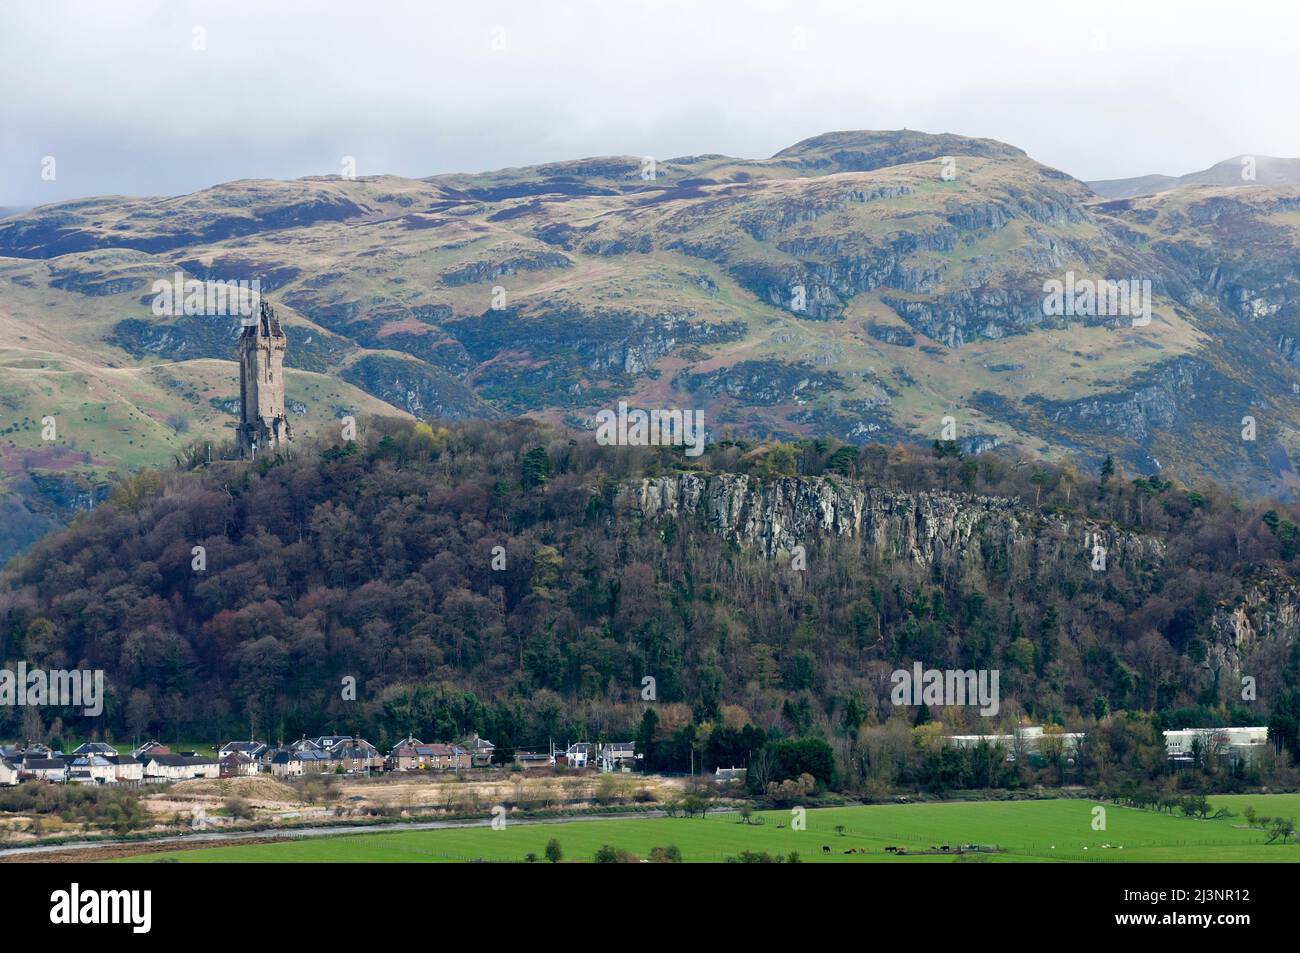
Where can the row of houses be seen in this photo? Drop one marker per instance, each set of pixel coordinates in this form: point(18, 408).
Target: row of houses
point(98, 763)
point(411, 754)
point(1182, 746)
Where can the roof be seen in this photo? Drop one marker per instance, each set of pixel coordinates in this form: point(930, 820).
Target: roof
point(354, 748)
point(179, 760)
point(244, 746)
point(419, 751)
point(122, 759)
point(94, 747)
point(45, 764)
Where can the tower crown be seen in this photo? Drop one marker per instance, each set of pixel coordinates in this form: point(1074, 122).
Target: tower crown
point(263, 425)
point(265, 325)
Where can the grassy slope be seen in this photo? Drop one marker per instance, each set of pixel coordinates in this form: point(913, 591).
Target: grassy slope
point(1030, 831)
point(386, 259)
point(382, 260)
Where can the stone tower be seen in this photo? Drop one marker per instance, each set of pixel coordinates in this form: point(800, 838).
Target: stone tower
point(263, 427)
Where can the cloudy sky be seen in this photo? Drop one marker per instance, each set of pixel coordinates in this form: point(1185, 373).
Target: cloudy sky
point(154, 98)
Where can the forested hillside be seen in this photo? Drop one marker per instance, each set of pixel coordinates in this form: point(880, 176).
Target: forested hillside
point(375, 560)
point(858, 286)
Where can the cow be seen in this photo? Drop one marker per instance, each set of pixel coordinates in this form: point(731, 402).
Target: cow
point(825, 849)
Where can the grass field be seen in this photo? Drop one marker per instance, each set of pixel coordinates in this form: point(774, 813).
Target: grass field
point(1027, 831)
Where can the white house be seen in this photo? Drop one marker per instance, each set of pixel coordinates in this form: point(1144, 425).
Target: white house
point(578, 755)
point(92, 769)
point(286, 764)
point(126, 768)
point(254, 749)
point(176, 767)
point(616, 755)
point(54, 770)
point(8, 772)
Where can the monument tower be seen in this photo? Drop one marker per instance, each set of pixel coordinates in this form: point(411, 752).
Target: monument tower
point(263, 426)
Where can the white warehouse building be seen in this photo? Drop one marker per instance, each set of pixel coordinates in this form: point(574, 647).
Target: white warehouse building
point(1234, 742)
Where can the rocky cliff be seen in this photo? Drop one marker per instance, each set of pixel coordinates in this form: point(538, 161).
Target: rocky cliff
point(774, 516)
point(1266, 615)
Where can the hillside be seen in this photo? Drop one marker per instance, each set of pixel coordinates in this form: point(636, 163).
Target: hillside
point(1237, 171)
point(376, 561)
point(856, 285)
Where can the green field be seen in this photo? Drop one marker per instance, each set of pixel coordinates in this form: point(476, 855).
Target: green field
point(1027, 831)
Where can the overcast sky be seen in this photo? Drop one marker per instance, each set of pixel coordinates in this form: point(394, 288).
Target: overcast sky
point(121, 98)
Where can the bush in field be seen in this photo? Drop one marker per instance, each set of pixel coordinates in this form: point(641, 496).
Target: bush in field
point(609, 790)
point(609, 854)
point(239, 809)
point(791, 789)
point(114, 808)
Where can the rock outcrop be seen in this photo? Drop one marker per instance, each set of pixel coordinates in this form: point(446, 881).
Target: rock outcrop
point(774, 516)
point(1269, 611)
